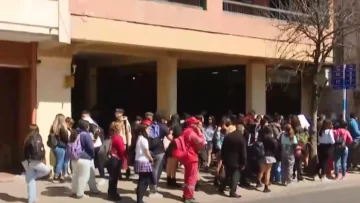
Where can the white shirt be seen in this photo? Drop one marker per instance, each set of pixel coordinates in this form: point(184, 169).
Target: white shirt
point(327, 137)
point(142, 144)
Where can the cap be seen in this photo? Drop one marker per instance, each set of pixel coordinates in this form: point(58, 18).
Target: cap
point(119, 110)
point(146, 122)
point(192, 120)
point(149, 114)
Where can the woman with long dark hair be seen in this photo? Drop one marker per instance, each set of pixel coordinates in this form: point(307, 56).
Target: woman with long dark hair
point(172, 163)
point(34, 154)
point(325, 148)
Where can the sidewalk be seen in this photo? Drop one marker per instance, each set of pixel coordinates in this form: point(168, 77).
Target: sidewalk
point(15, 191)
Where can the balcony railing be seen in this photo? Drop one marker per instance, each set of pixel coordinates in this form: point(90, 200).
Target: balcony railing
point(198, 3)
point(256, 10)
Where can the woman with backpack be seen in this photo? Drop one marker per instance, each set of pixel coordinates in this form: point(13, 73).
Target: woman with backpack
point(342, 139)
point(143, 161)
point(81, 152)
point(60, 138)
point(34, 154)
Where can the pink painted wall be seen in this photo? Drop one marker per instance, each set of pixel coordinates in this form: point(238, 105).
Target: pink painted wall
point(153, 12)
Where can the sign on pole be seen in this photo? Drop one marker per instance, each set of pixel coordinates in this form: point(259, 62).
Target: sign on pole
point(343, 77)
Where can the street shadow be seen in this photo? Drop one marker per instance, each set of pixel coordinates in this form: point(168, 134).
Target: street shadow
point(165, 186)
point(169, 195)
point(56, 191)
point(122, 191)
point(8, 198)
point(208, 189)
point(104, 196)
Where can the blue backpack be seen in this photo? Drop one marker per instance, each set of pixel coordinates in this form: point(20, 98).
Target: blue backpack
point(154, 131)
point(75, 149)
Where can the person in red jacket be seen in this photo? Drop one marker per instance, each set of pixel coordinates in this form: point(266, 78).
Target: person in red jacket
point(194, 141)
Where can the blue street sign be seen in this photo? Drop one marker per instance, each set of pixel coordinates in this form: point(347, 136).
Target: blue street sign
point(343, 79)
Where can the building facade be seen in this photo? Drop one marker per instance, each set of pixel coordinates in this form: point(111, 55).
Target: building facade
point(40, 39)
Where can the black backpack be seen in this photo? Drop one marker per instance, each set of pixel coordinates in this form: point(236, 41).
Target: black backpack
point(34, 148)
point(52, 141)
point(340, 143)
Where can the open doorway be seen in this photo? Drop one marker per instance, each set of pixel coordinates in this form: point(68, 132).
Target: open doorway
point(131, 87)
point(9, 109)
point(215, 90)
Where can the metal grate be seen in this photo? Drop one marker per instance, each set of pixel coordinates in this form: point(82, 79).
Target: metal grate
point(256, 10)
point(199, 3)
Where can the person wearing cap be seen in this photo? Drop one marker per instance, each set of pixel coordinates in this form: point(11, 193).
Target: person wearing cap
point(195, 141)
point(125, 132)
point(149, 116)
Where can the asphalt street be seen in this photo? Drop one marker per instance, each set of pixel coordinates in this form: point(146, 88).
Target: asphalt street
point(350, 194)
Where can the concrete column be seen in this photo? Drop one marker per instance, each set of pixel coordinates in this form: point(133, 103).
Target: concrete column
point(52, 96)
point(91, 88)
point(256, 88)
point(167, 86)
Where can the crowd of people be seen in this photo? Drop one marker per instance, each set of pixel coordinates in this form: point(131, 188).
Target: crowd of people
point(241, 148)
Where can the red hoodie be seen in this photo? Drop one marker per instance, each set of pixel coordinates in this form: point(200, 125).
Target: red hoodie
point(343, 132)
point(194, 141)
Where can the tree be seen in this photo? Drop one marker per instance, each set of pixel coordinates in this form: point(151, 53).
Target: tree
point(311, 30)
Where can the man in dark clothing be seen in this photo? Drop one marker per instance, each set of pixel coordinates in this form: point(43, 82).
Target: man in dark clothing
point(234, 157)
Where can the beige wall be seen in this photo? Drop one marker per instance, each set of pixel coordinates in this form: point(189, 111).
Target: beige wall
point(52, 96)
point(95, 30)
point(38, 17)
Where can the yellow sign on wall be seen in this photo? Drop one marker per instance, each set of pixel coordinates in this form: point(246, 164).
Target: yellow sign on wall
point(69, 81)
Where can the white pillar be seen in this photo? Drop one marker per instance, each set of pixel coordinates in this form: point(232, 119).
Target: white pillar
point(256, 88)
point(91, 88)
point(52, 96)
point(167, 86)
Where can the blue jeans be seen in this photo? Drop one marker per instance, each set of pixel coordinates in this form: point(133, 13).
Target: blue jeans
point(276, 172)
point(60, 161)
point(158, 166)
point(341, 160)
point(33, 170)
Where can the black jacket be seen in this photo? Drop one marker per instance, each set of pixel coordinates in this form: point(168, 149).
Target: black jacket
point(62, 138)
point(270, 145)
point(233, 150)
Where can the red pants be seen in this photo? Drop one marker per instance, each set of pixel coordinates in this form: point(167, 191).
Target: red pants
point(330, 166)
point(190, 179)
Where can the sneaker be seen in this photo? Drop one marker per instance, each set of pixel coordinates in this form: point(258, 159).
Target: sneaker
point(81, 197)
point(95, 192)
point(155, 195)
point(266, 190)
point(114, 197)
point(190, 201)
point(102, 181)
